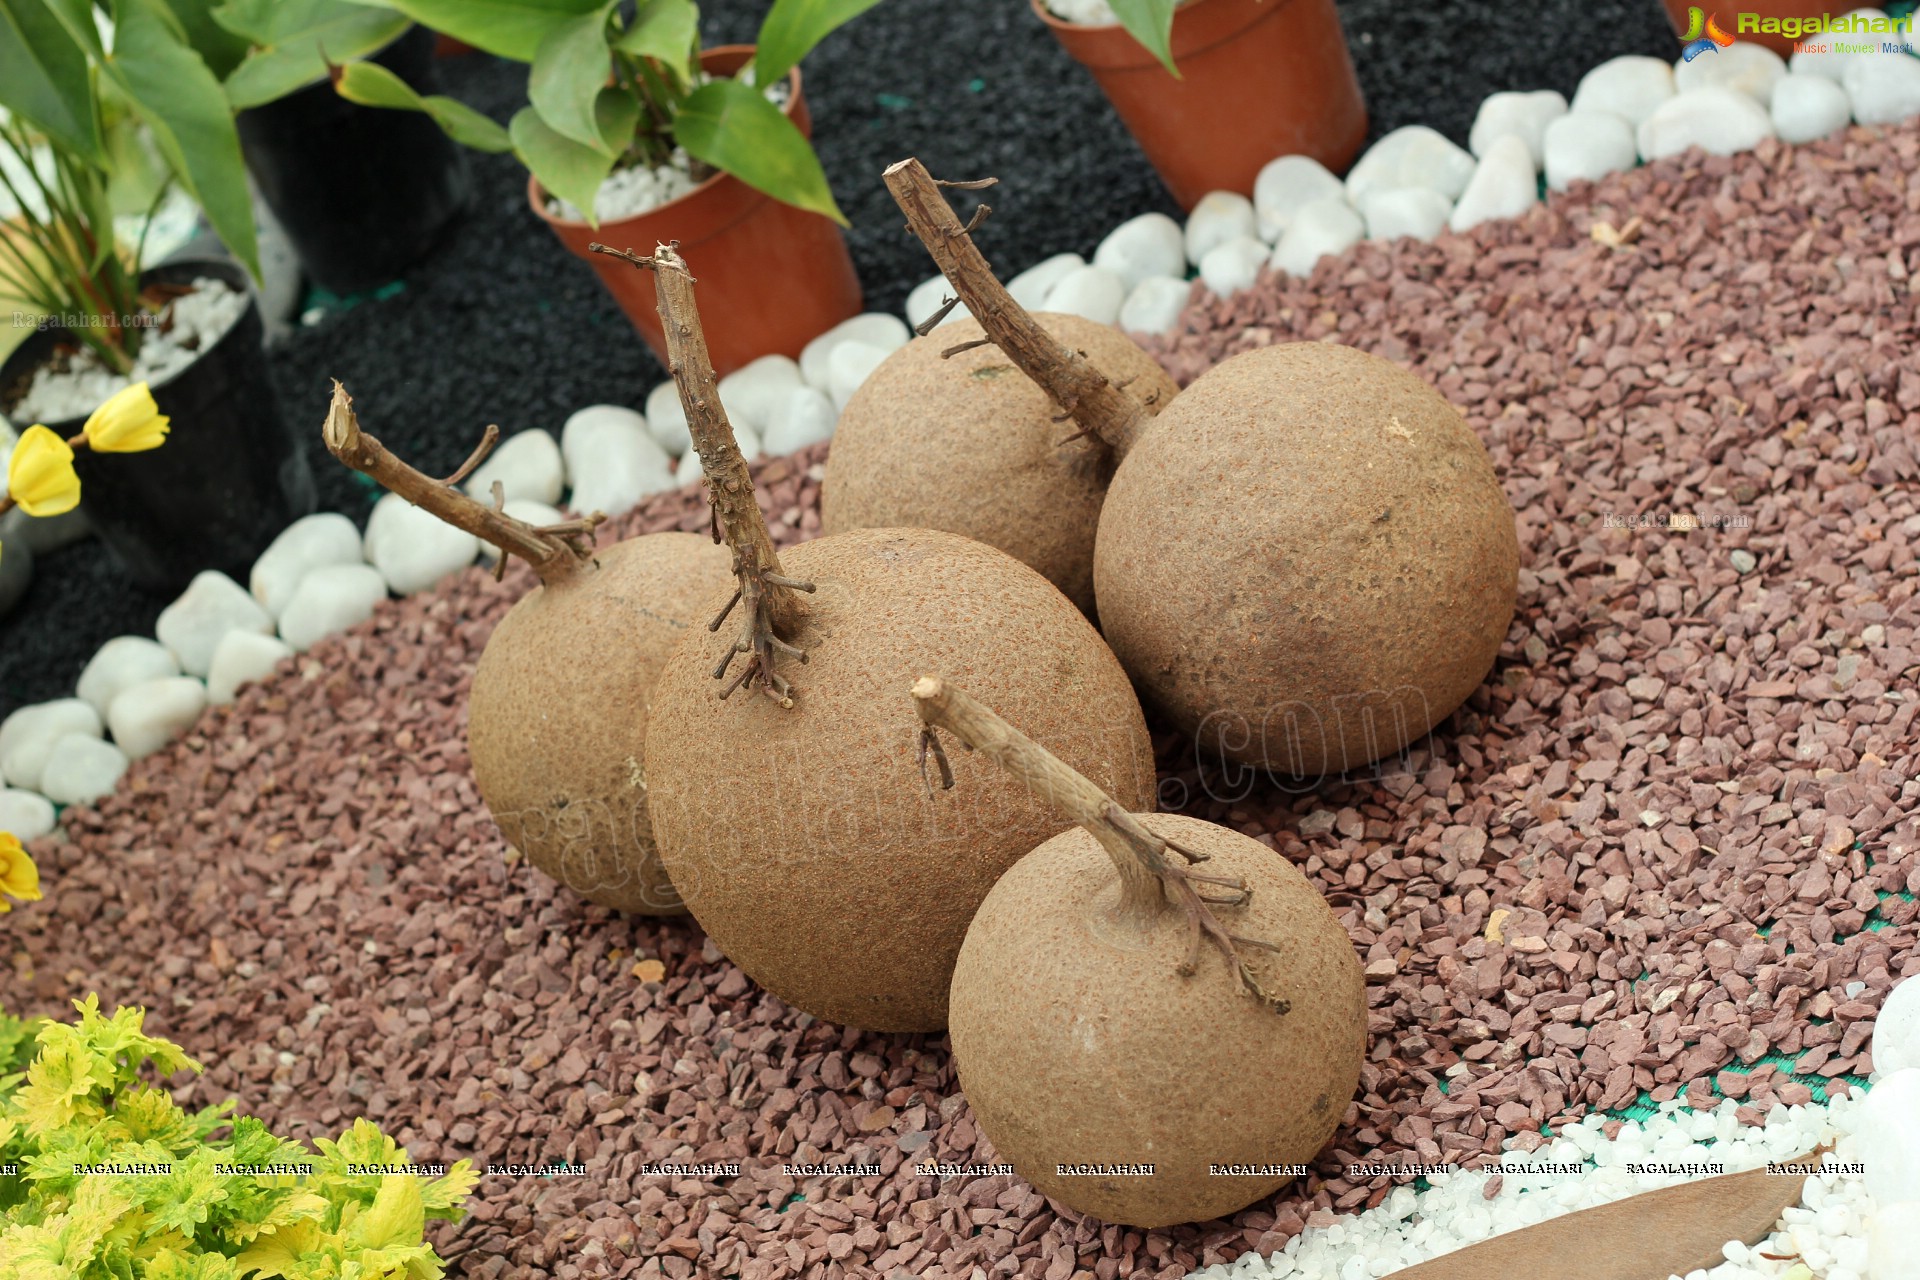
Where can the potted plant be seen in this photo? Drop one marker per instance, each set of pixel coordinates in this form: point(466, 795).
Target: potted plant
point(82, 108)
point(1214, 89)
point(635, 136)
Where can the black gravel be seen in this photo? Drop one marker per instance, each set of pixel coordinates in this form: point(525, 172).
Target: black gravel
point(501, 325)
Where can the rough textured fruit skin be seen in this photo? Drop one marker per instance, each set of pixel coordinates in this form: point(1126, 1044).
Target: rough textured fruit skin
point(557, 715)
point(806, 842)
point(1078, 1042)
point(969, 445)
point(1307, 562)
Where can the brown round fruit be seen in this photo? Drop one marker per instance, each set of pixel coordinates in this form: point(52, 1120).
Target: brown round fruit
point(1078, 1042)
point(806, 841)
point(557, 716)
point(1307, 561)
point(970, 445)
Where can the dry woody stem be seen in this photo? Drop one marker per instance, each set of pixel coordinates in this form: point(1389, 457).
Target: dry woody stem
point(1150, 882)
point(772, 606)
point(1089, 397)
point(555, 551)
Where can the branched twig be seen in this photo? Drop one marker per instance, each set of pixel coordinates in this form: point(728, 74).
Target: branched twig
point(932, 322)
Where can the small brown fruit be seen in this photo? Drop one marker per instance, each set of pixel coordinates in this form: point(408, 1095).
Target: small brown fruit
point(1307, 561)
point(970, 445)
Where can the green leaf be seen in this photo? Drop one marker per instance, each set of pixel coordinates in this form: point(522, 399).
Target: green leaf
point(794, 27)
point(294, 40)
point(617, 114)
point(570, 68)
point(218, 47)
point(187, 112)
point(509, 28)
point(1151, 23)
point(564, 167)
point(734, 128)
point(372, 85)
point(667, 31)
point(44, 78)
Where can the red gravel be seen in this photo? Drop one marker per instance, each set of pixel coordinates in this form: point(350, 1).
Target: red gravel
point(1670, 752)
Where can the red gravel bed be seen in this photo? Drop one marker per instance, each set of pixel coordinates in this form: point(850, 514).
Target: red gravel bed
point(1671, 753)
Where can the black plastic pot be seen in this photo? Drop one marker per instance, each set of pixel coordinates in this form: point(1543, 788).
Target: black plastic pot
point(230, 476)
point(363, 192)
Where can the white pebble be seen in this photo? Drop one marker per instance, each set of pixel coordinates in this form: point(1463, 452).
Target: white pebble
point(527, 464)
point(1321, 228)
point(667, 419)
point(331, 599)
point(1233, 265)
point(752, 392)
point(82, 769)
point(1031, 287)
point(533, 513)
point(1092, 291)
point(1819, 55)
point(1286, 186)
point(412, 549)
point(1896, 1031)
point(1155, 305)
point(212, 605)
point(1521, 115)
point(1743, 66)
point(1587, 146)
point(1883, 89)
point(874, 328)
point(926, 299)
point(1220, 216)
point(1890, 1137)
point(1630, 86)
point(32, 731)
point(1503, 186)
point(127, 660)
point(244, 657)
point(1721, 122)
point(1420, 212)
point(26, 814)
point(852, 364)
point(1139, 248)
point(1891, 1247)
point(309, 542)
point(614, 463)
point(805, 417)
point(1808, 107)
point(1410, 156)
point(148, 716)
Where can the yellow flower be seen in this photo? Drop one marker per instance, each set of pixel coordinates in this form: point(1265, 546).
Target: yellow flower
point(129, 422)
point(40, 475)
point(18, 876)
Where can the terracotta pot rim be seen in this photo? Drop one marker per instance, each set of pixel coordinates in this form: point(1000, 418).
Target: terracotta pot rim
point(536, 195)
point(1078, 37)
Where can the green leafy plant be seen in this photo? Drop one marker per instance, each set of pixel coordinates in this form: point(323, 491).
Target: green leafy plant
point(1151, 23)
point(605, 90)
point(116, 1182)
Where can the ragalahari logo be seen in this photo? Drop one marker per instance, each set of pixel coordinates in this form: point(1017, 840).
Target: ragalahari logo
point(1704, 35)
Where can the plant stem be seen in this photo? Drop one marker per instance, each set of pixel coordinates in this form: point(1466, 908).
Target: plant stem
point(556, 552)
point(1087, 395)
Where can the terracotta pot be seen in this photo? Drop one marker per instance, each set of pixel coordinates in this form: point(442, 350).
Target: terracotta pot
point(772, 277)
point(1260, 79)
point(1728, 16)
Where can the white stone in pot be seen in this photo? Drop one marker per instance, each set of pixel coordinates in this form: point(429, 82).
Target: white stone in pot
point(851, 364)
point(330, 600)
point(324, 538)
point(127, 660)
point(1896, 1030)
point(1419, 212)
point(1411, 156)
point(1323, 227)
point(1142, 247)
point(1233, 265)
point(1503, 186)
point(1629, 86)
point(412, 549)
point(148, 716)
point(874, 328)
point(27, 814)
point(1744, 67)
point(1520, 115)
point(667, 419)
point(1220, 216)
point(527, 464)
point(1819, 57)
point(1093, 292)
point(1809, 107)
point(1721, 122)
point(1031, 287)
point(1587, 146)
point(926, 299)
point(613, 460)
point(806, 417)
point(244, 657)
point(754, 391)
point(1286, 186)
point(212, 605)
point(1155, 305)
point(83, 769)
point(1884, 89)
point(533, 513)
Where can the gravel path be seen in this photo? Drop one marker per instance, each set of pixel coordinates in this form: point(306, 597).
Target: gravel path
point(1558, 897)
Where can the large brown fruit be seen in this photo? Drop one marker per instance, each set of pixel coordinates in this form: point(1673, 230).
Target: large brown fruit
point(1079, 1044)
point(970, 445)
point(805, 840)
point(557, 716)
point(1307, 561)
